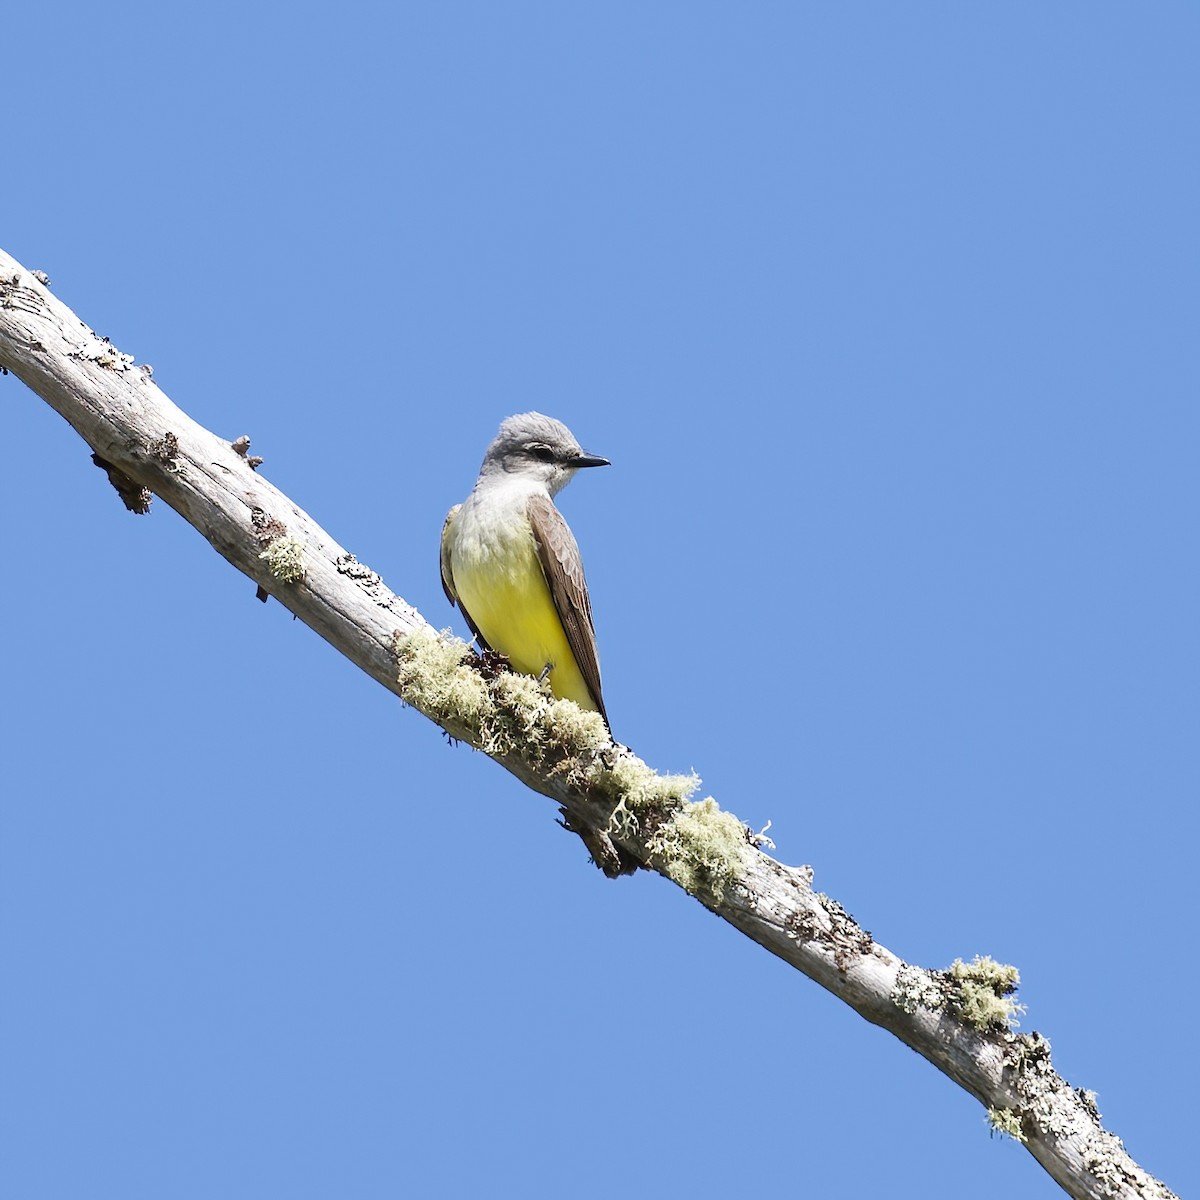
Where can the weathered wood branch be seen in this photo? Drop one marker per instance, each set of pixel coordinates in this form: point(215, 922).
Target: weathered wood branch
point(959, 1019)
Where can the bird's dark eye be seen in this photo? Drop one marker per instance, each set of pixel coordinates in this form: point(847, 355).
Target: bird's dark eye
point(541, 452)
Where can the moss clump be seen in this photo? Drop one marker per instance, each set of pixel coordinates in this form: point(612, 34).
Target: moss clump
point(701, 848)
point(529, 718)
point(435, 676)
point(507, 714)
point(982, 992)
point(285, 558)
point(641, 788)
point(1006, 1122)
point(979, 993)
point(697, 845)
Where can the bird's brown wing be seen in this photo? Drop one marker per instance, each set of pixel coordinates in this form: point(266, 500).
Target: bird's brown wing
point(563, 568)
point(448, 575)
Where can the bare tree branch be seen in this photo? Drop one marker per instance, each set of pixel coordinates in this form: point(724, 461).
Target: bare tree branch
point(959, 1019)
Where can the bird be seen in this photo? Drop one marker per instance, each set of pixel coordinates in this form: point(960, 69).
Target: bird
point(511, 564)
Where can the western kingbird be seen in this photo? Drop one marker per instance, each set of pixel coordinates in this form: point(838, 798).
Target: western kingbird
point(511, 564)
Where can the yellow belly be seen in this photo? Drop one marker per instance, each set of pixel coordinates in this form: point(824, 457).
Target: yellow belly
point(509, 600)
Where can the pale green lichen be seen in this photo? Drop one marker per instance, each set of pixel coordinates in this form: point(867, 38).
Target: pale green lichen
point(917, 988)
point(978, 993)
point(531, 720)
point(622, 821)
point(285, 558)
point(506, 714)
point(760, 840)
point(642, 788)
point(435, 677)
point(1007, 1122)
point(983, 993)
point(514, 719)
point(701, 848)
point(986, 970)
point(697, 845)
point(643, 798)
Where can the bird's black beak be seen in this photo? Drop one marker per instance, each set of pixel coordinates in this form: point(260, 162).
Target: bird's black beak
point(588, 460)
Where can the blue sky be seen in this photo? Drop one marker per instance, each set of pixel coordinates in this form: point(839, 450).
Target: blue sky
point(886, 316)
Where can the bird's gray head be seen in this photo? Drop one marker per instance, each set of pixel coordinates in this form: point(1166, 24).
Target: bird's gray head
point(537, 447)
